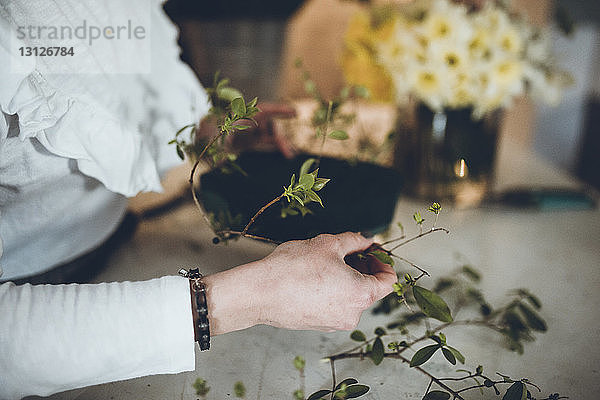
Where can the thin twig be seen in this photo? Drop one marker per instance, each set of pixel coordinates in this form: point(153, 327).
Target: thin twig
point(433, 378)
point(428, 387)
point(410, 263)
point(480, 386)
point(269, 204)
point(324, 133)
point(420, 235)
point(191, 180)
point(249, 236)
point(332, 363)
point(393, 240)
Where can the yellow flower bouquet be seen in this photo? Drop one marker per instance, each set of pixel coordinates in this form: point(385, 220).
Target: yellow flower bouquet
point(448, 56)
point(459, 65)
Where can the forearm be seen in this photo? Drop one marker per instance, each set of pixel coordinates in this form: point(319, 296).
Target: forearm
point(55, 338)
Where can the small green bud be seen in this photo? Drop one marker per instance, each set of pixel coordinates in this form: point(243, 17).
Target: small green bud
point(239, 389)
point(435, 208)
point(299, 363)
point(398, 288)
point(201, 387)
point(418, 218)
point(393, 345)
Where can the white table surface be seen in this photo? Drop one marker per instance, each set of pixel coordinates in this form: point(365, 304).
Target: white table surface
point(554, 254)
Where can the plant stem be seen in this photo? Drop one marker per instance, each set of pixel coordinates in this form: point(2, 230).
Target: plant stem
point(398, 355)
point(393, 240)
point(269, 204)
point(350, 354)
point(249, 236)
point(332, 363)
point(420, 235)
point(433, 378)
point(327, 118)
point(191, 180)
point(428, 386)
point(412, 264)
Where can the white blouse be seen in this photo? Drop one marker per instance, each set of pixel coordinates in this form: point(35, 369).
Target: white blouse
point(72, 145)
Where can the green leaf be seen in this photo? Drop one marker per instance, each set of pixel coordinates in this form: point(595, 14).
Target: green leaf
point(183, 129)
point(306, 181)
point(347, 382)
point(345, 92)
point(252, 102)
point(201, 387)
point(320, 184)
point(383, 257)
point(534, 301)
point(442, 338)
point(423, 355)
point(312, 196)
point(239, 389)
point(377, 352)
point(379, 331)
point(418, 218)
point(299, 363)
point(306, 166)
point(238, 107)
point(288, 211)
point(354, 391)
point(358, 336)
point(292, 180)
point(399, 224)
point(471, 273)
point(319, 394)
point(457, 354)
point(180, 153)
point(228, 93)
point(435, 208)
point(432, 305)
point(310, 87)
point(338, 135)
point(517, 391)
point(361, 91)
point(436, 395)
point(534, 321)
point(449, 356)
point(298, 199)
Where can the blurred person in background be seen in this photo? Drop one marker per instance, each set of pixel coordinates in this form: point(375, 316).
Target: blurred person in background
point(73, 146)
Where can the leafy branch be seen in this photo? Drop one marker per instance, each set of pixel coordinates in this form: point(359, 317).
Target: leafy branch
point(230, 110)
point(516, 321)
point(329, 111)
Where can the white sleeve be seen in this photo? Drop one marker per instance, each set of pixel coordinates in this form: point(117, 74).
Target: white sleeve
point(60, 337)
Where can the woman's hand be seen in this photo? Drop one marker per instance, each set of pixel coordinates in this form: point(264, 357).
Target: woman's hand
point(301, 285)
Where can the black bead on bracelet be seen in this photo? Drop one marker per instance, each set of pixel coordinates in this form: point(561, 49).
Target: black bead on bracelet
point(201, 326)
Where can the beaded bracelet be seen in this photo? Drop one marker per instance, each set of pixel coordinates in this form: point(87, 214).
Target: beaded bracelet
point(201, 326)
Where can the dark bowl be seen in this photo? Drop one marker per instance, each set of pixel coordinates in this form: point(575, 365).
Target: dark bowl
point(361, 197)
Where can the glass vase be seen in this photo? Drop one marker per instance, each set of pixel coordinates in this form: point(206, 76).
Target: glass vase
point(447, 156)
